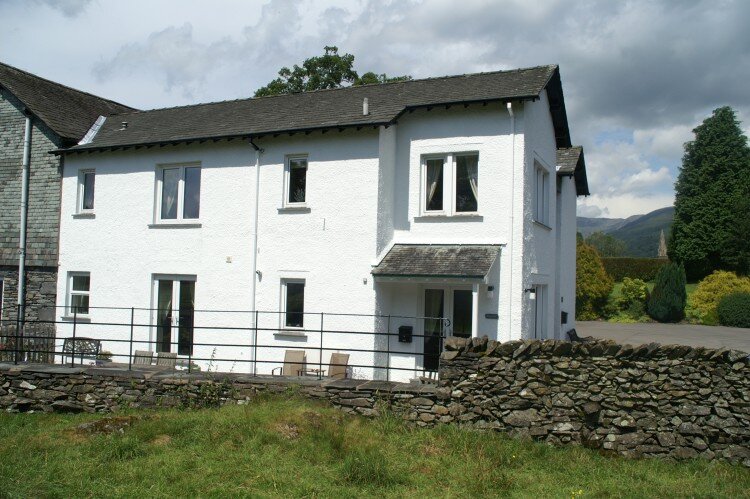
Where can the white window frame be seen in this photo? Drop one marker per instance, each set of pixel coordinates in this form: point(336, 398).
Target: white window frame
point(450, 182)
point(70, 292)
point(81, 188)
point(287, 181)
point(180, 194)
point(541, 194)
point(282, 304)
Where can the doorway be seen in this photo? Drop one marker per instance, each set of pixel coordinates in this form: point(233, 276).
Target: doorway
point(175, 313)
point(454, 303)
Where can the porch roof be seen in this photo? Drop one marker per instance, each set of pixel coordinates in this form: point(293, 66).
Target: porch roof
point(444, 261)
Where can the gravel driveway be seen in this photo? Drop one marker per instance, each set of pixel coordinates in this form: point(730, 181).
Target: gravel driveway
point(681, 334)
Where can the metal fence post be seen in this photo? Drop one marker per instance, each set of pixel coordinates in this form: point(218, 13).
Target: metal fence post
point(255, 346)
point(130, 354)
point(388, 350)
point(73, 346)
point(320, 358)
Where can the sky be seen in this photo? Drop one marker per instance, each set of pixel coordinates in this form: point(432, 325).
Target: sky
point(638, 76)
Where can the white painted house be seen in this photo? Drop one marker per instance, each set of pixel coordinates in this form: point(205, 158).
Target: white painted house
point(448, 197)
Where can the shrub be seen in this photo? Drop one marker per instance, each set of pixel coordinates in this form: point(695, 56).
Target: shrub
point(633, 291)
point(667, 301)
point(704, 301)
point(593, 285)
point(734, 310)
point(635, 268)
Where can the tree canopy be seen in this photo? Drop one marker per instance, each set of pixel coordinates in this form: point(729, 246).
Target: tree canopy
point(330, 70)
point(606, 245)
point(711, 199)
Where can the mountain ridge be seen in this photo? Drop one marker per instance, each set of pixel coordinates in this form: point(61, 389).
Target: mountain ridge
point(640, 233)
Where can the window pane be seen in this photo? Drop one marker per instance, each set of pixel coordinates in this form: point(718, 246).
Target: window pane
point(462, 300)
point(434, 185)
point(192, 193)
point(81, 283)
point(88, 191)
point(467, 182)
point(297, 180)
point(170, 183)
point(164, 316)
point(433, 328)
point(79, 304)
point(295, 304)
point(187, 309)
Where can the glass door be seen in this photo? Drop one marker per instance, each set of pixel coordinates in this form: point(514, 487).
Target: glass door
point(434, 308)
point(175, 312)
point(461, 313)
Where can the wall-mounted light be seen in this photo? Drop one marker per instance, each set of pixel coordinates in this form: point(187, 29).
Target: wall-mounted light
point(531, 292)
point(490, 292)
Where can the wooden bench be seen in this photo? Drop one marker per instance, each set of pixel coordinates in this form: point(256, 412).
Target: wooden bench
point(85, 348)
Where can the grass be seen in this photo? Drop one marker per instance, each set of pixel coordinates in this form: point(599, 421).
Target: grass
point(295, 448)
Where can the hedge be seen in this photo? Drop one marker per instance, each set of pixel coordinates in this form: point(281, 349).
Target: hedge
point(734, 310)
point(645, 269)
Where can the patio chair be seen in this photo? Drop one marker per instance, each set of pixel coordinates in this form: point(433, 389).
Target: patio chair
point(294, 363)
point(338, 365)
point(166, 359)
point(143, 357)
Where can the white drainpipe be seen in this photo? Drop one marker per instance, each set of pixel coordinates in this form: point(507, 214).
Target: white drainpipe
point(24, 211)
point(509, 106)
point(254, 275)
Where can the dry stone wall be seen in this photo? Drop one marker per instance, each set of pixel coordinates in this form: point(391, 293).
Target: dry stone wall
point(647, 401)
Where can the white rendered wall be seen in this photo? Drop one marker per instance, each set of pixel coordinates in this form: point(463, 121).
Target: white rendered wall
point(539, 241)
point(568, 229)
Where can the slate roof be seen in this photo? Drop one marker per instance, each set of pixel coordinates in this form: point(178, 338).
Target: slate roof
point(67, 111)
point(444, 261)
point(570, 161)
point(328, 109)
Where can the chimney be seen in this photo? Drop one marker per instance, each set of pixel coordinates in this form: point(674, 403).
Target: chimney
point(365, 106)
point(124, 125)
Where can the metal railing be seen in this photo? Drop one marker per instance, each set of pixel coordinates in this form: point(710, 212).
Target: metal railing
point(252, 342)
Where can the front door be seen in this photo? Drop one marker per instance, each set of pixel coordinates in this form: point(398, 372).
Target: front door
point(453, 303)
point(175, 311)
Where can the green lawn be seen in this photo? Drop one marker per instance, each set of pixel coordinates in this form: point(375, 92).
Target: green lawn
point(295, 448)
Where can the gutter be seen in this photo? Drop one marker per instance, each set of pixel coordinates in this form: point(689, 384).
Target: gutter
point(23, 226)
point(509, 106)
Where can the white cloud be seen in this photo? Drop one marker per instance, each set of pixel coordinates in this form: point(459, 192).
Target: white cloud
point(69, 8)
point(623, 205)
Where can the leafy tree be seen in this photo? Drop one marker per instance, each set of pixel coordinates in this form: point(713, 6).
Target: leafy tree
point(331, 70)
point(593, 285)
point(606, 245)
point(709, 202)
point(667, 301)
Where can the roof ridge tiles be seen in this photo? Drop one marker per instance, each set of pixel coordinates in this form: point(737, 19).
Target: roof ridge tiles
point(339, 89)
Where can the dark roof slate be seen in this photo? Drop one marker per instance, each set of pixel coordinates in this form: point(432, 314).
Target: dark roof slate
point(447, 261)
point(570, 161)
point(320, 109)
point(66, 111)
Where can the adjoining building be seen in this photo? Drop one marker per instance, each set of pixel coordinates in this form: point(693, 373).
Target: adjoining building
point(43, 116)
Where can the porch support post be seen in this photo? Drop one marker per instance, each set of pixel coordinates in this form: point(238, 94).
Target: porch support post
point(475, 310)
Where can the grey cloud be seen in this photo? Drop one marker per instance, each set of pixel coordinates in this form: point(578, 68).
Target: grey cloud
point(69, 8)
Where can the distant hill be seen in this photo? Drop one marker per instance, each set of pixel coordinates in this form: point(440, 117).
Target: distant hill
point(640, 233)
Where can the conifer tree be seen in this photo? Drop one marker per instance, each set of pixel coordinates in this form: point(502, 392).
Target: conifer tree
point(667, 301)
point(711, 190)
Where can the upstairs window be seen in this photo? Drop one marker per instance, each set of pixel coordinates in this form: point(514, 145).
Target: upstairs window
point(79, 284)
point(541, 195)
point(178, 193)
point(86, 183)
point(450, 184)
point(295, 181)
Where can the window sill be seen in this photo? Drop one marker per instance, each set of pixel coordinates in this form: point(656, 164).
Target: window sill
point(176, 225)
point(291, 333)
point(468, 217)
point(84, 214)
point(542, 225)
point(80, 318)
point(295, 209)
